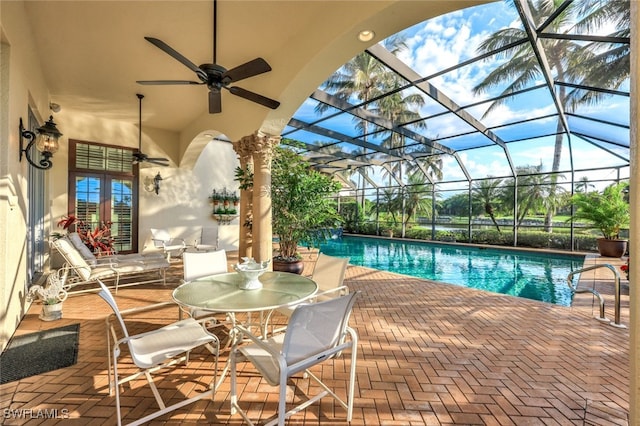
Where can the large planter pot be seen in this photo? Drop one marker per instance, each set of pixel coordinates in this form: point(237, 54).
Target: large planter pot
point(612, 248)
point(295, 267)
point(51, 312)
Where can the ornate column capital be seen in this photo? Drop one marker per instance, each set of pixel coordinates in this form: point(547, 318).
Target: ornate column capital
point(244, 147)
point(263, 145)
point(256, 144)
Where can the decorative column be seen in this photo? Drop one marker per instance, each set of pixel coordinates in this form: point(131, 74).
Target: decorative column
point(243, 148)
point(255, 152)
point(263, 146)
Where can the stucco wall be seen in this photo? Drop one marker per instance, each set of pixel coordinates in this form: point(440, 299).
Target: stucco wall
point(182, 205)
point(22, 85)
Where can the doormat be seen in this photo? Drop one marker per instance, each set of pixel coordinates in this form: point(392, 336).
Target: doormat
point(37, 353)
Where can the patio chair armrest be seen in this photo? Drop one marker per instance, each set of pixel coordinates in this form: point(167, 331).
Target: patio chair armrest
point(244, 332)
point(106, 260)
point(341, 291)
point(126, 339)
point(175, 242)
point(146, 308)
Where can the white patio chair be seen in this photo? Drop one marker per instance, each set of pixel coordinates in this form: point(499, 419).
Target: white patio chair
point(317, 333)
point(86, 272)
point(208, 239)
point(328, 274)
point(155, 350)
point(170, 246)
point(201, 264)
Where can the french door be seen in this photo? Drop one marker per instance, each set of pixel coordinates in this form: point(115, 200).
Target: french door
point(106, 196)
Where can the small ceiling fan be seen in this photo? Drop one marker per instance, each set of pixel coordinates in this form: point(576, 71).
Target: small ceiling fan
point(215, 76)
point(139, 156)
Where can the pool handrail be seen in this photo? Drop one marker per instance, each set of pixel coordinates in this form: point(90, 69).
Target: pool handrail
point(602, 317)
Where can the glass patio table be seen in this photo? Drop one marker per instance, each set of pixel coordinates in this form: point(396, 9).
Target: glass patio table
point(222, 292)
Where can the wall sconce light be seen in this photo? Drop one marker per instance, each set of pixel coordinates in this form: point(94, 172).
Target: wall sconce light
point(153, 185)
point(46, 142)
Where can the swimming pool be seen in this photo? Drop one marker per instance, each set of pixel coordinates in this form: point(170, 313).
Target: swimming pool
point(513, 272)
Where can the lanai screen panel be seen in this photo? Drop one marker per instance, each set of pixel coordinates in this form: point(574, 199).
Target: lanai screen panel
point(537, 106)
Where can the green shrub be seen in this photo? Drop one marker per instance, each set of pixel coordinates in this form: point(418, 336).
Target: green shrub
point(535, 239)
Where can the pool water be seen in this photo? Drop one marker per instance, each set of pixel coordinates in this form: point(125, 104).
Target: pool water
point(512, 272)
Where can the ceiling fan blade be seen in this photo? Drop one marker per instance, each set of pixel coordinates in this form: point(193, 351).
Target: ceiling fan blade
point(166, 82)
point(246, 70)
point(166, 160)
point(215, 102)
point(254, 97)
point(156, 162)
point(177, 56)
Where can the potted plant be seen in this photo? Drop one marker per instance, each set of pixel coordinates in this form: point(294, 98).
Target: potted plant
point(609, 212)
point(52, 295)
point(302, 211)
point(215, 198)
point(99, 240)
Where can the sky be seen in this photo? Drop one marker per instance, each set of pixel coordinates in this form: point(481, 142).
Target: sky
point(445, 41)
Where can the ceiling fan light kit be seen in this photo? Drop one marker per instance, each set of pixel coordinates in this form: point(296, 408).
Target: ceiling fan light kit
point(215, 76)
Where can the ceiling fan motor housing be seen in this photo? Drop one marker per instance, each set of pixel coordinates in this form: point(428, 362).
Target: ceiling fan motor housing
point(215, 73)
point(215, 76)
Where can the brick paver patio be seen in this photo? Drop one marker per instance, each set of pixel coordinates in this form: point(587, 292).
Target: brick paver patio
point(430, 354)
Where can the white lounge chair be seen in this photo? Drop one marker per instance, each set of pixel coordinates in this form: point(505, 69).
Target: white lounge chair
point(91, 258)
point(155, 350)
point(317, 333)
point(109, 268)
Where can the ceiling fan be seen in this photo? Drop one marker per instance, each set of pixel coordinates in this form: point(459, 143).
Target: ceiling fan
point(139, 156)
point(215, 76)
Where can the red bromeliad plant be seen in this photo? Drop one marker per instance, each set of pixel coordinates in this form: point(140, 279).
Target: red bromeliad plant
point(98, 240)
point(625, 268)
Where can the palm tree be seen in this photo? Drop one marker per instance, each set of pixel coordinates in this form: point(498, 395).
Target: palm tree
point(564, 57)
point(601, 64)
point(536, 192)
point(431, 163)
point(398, 108)
point(417, 197)
point(390, 204)
point(363, 78)
point(583, 184)
point(487, 192)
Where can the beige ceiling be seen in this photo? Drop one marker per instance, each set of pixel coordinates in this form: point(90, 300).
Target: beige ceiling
point(94, 51)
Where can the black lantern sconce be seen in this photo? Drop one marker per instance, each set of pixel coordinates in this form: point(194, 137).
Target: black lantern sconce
point(156, 183)
point(153, 185)
point(46, 142)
